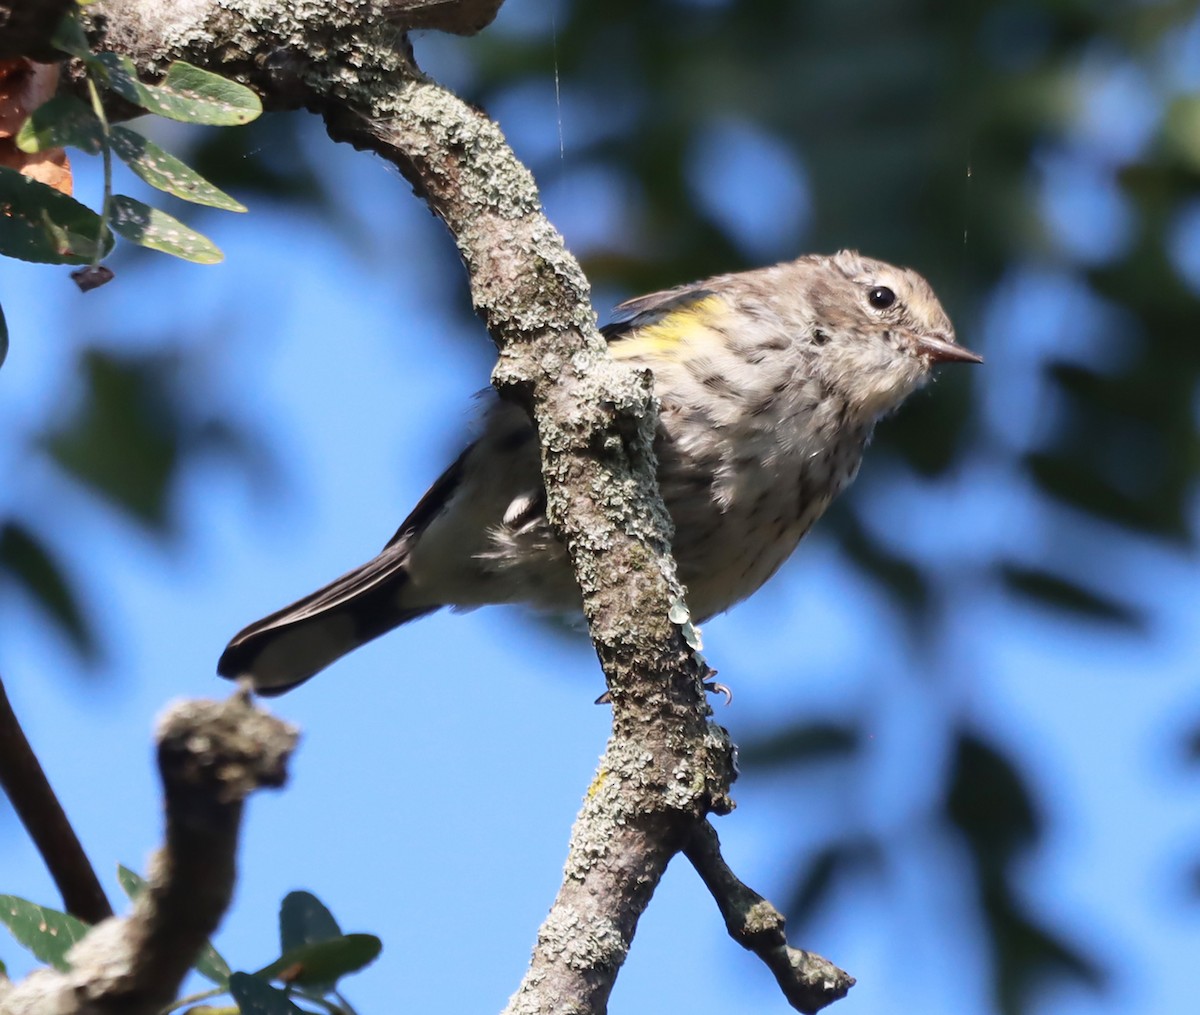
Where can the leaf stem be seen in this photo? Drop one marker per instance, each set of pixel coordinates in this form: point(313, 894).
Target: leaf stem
point(106, 152)
point(204, 995)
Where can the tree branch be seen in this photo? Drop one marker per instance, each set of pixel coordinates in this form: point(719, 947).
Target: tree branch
point(808, 982)
point(665, 765)
point(211, 755)
point(32, 797)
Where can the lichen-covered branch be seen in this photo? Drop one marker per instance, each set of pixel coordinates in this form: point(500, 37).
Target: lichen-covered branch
point(666, 765)
point(808, 982)
point(211, 756)
point(293, 55)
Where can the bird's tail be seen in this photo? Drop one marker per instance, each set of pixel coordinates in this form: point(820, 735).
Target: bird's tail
point(283, 650)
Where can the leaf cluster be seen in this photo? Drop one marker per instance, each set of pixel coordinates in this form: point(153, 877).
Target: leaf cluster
point(315, 955)
point(44, 225)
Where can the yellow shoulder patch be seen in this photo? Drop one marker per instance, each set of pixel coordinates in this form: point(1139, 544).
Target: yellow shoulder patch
point(691, 324)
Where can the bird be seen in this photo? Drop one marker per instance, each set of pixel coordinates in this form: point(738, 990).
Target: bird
point(770, 383)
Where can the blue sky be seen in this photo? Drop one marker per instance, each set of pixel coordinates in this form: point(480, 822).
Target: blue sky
point(441, 767)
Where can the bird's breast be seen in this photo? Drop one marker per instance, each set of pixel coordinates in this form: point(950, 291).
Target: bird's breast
point(742, 502)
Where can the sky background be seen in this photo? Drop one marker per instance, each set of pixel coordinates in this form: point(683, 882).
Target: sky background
point(441, 767)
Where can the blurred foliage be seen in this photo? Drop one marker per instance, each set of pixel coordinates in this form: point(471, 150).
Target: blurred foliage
point(943, 135)
point(990, 805)
point(809, 742)
point(27, 563)
point(139, 419)
point(125, 440)
point(837, 861)
point(136, 425)
point(133, 430)
point(1060, 594)
point(264, 161)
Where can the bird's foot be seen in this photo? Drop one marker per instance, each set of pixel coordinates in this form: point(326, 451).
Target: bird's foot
point(712, 687)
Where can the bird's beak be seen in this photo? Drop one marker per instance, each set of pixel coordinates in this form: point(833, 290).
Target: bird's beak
point(944, 350)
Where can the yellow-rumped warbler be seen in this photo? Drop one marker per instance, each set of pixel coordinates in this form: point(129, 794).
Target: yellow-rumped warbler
point(770, 383)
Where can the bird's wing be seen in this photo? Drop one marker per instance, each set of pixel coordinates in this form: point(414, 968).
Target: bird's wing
point(653, 308)
point(379, 570)
point(434, 501)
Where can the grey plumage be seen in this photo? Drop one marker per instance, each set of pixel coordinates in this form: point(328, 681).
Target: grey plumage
point(770, 383)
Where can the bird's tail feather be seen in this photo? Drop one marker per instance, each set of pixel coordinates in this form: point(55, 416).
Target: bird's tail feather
point(286, 648)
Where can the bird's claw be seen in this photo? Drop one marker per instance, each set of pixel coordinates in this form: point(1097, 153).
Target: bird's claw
point(712, 687)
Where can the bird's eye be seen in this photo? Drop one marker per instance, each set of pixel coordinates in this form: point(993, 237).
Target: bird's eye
point(881, 297)
point(819, 337)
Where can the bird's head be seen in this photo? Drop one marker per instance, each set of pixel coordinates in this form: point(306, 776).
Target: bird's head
point(875, 330)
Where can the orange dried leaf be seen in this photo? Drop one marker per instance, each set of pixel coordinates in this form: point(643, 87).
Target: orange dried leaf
point(51, 167)
point(25, 85)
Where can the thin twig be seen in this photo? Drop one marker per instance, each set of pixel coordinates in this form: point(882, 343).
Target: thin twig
point(809, 982)
point(33, 799)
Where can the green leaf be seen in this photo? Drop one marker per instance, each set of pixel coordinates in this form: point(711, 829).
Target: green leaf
point(131, 881)
point(162, 170)
point(119, 75)
point(62, 120)
point(37, 223)
point(1028, 955)
point(255, 997)
point(989, 802)
point(47, 933)
point(25, 560)
point(303, 920)
point(149, 227)
point(209, 962)
point(315, 952)
point(321, 964)
point(187, 93)
point(126, 439)
point(1059, 593)
point(214, 99)
point(70, 38)
point(802, 743)
point(830, 867)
